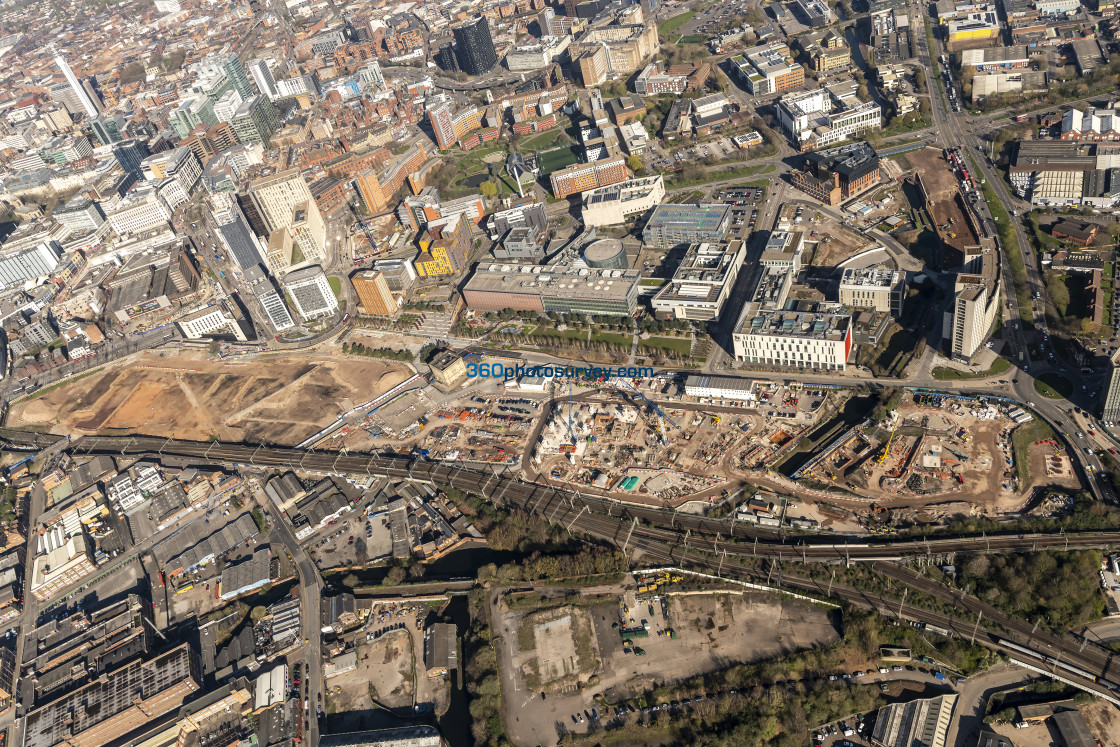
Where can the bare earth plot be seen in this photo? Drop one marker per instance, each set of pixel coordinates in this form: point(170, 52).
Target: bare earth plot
point(279, 400)
point(714, 630)
point(386, 665)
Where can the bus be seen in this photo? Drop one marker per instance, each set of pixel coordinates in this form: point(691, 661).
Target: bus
point(162, 580)
point(1021, 118)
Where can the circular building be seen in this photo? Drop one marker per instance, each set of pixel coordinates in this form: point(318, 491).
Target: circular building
point(608, 254)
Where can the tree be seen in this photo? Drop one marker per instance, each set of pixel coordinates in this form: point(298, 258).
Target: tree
point(634, 163)
point(488, 189)
point(257, 614)
point(133, 72)
point(395, 576)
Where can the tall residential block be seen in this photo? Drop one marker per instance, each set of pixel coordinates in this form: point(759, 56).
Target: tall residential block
point(373, 292)
point(444, 247)
point(78, 89)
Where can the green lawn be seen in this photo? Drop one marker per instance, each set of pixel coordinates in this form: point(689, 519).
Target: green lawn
point(675, 22)
point(1053, 386)
point(680, 345)
point(554, 160)
point(336, 285)
point(617, 338)
point(544, 140)
point(716, 174)
point(653, 282)
point(950, 374)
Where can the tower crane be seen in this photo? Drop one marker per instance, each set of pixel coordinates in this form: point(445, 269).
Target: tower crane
point(662, 418)
point(571, 430)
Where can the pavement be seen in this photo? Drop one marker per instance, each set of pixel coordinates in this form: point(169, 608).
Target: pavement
point(974, 692)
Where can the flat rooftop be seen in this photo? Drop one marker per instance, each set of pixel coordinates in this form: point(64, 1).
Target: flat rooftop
point(804, 324)
point(553, 281)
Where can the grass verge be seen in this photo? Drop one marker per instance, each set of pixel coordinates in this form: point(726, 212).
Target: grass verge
point(1053, 386)
point(1011, 250)
point(942, 373)
point(1021, 439)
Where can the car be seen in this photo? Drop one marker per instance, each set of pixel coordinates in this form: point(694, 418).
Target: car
point(580, 717)
point(574, 719)
point(897, 668)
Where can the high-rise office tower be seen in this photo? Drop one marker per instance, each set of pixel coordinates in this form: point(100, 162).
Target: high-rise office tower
point(446, 58)
point(78, 89)
point(108, 130)
point(233, 68)
point(475, 46)
point(264, 79)
point(130, 154)
point(255, 121)
point(285, 203)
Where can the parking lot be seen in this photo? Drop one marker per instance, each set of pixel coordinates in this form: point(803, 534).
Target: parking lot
point(355, 541)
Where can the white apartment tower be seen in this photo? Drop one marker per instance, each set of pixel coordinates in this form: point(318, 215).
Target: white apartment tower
point(285, 202)
point(75, 85)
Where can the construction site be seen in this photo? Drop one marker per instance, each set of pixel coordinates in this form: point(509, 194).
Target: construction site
point(935, 448)
point(620, 640)
point(627, 444)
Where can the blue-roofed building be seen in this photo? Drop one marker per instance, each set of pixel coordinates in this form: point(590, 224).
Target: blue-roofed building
point(674, 225)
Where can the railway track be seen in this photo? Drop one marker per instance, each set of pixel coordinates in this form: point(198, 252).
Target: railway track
point(692, 541)
point(696, 531)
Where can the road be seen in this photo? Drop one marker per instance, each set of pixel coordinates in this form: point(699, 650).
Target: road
point(311, 591)
point(974, 692)
point(1023, 327)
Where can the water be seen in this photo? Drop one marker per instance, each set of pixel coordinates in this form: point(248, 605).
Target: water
point(455, 724)
point(475, 180)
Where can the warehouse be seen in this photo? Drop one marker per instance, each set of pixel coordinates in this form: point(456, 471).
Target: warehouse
point(721, 387)
point(106, 710)
point(441, 649)
point(919, 723)
point(248, 574)
point(407, 736)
